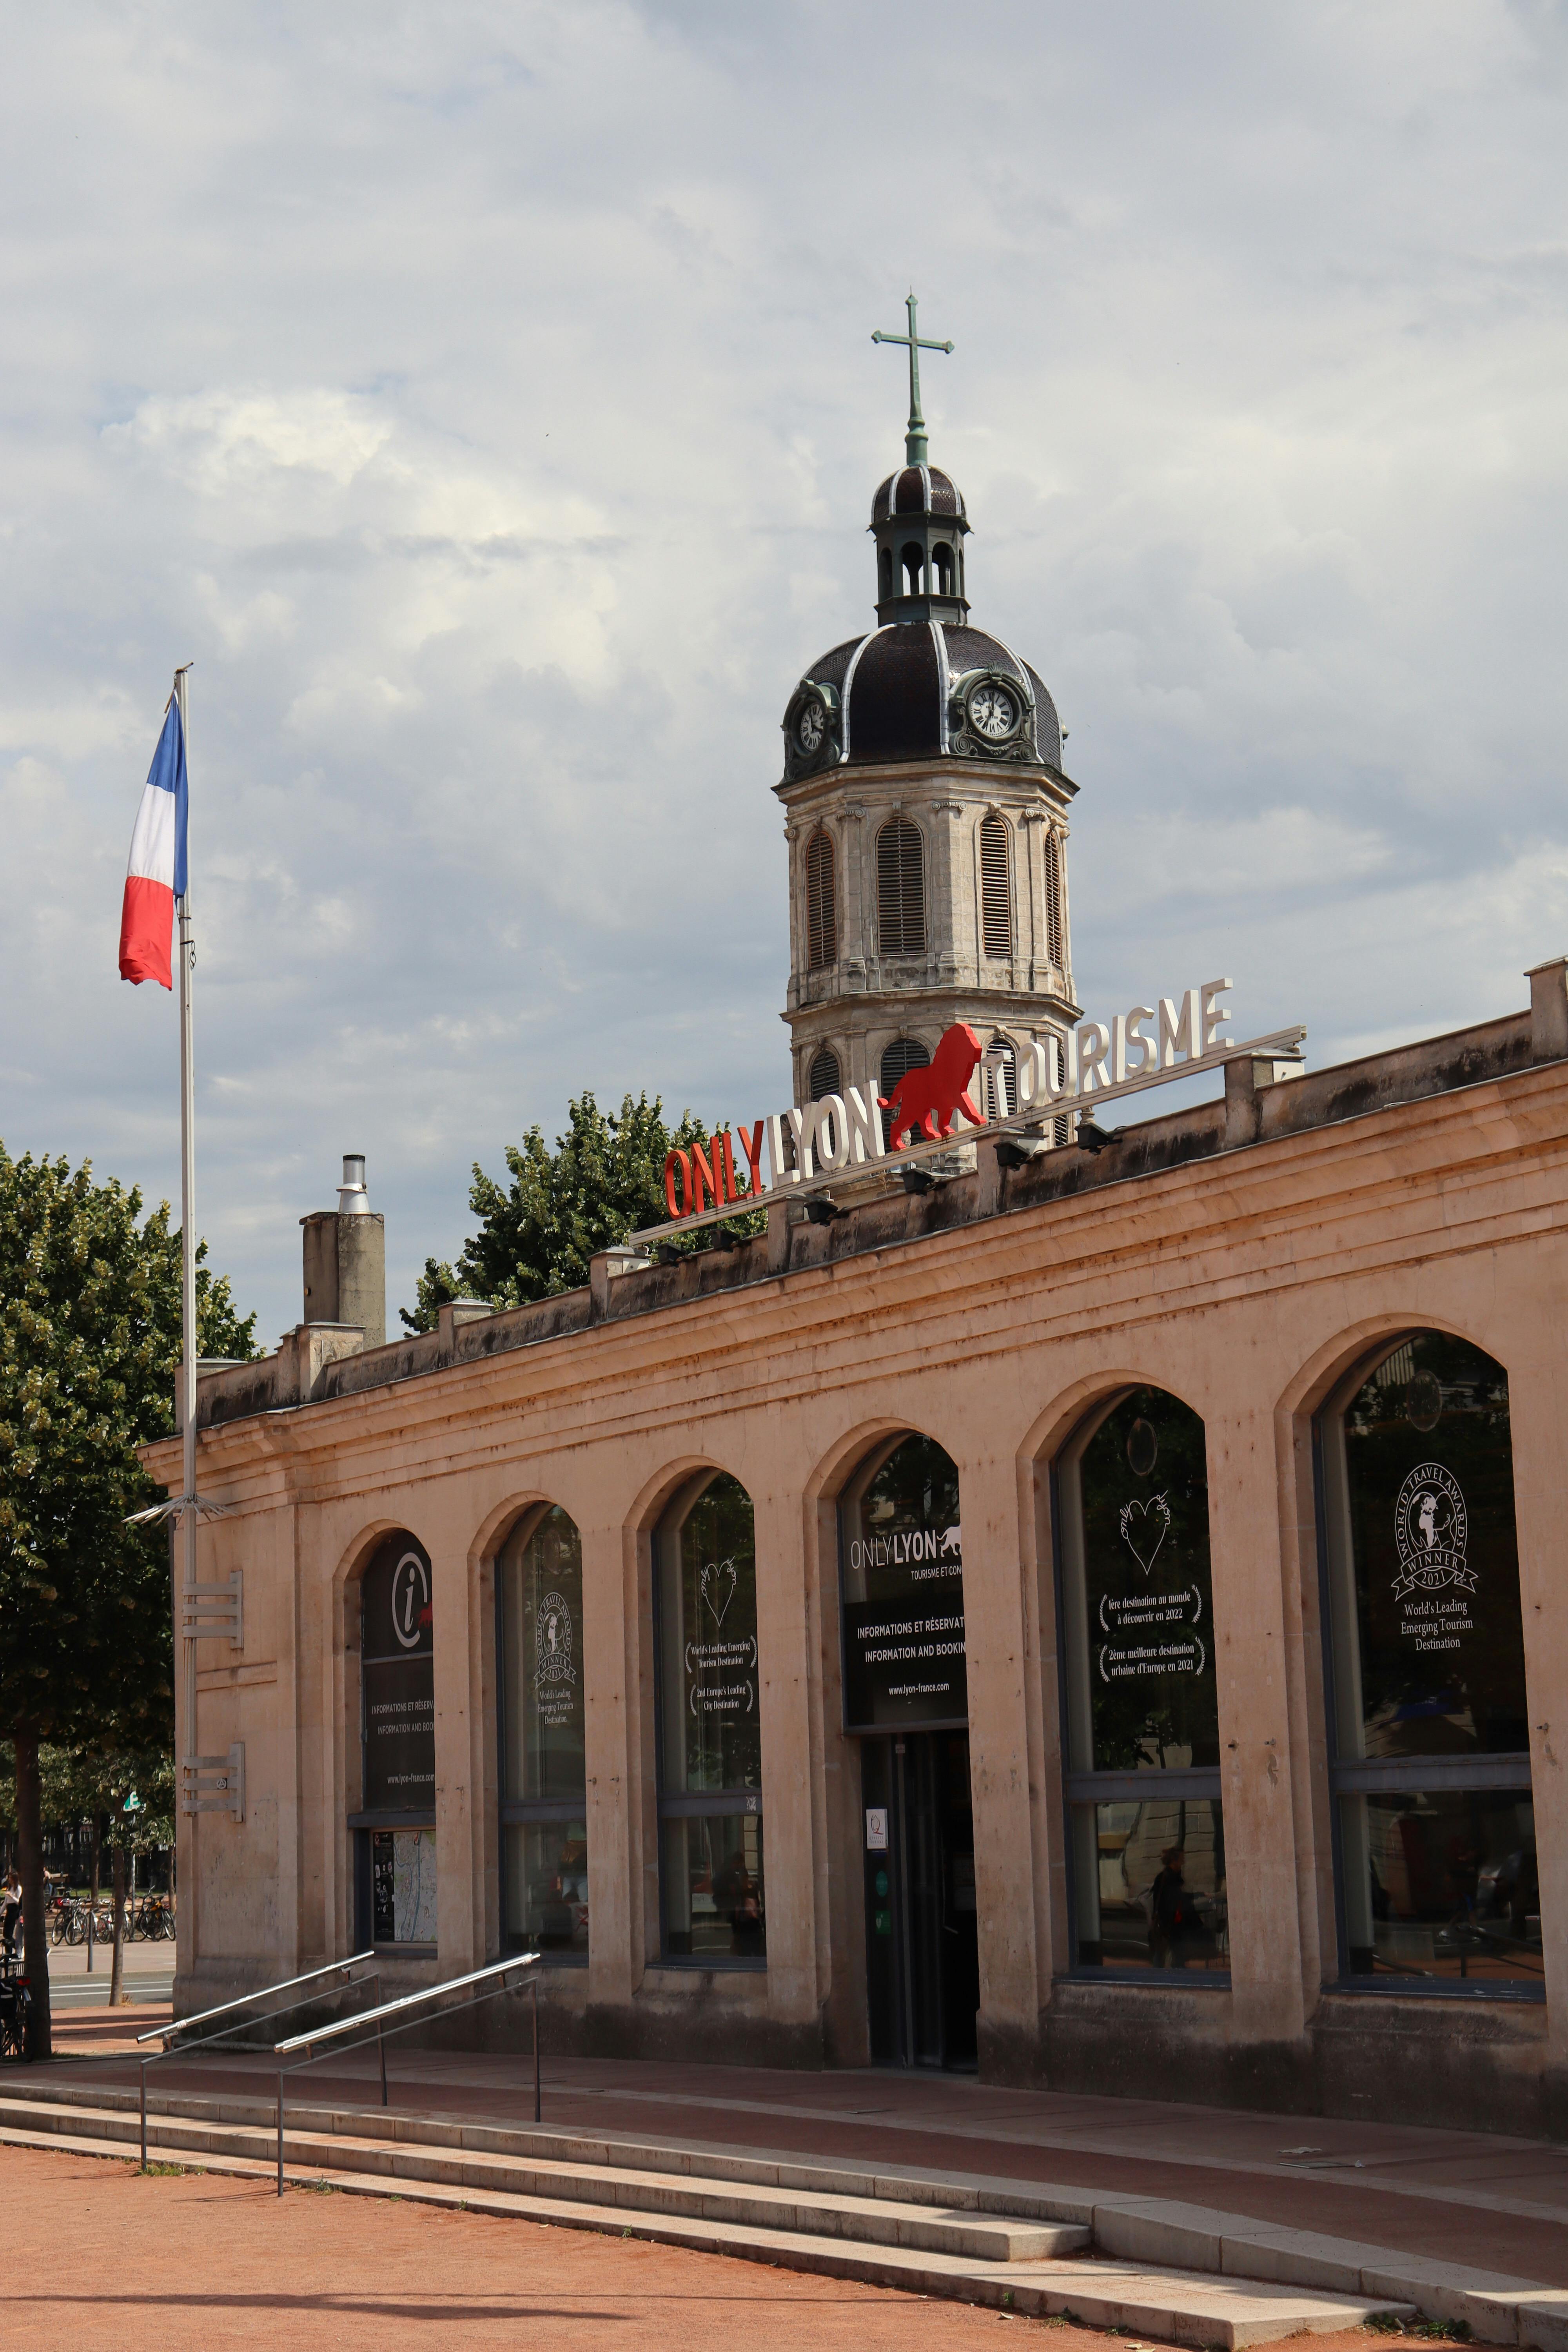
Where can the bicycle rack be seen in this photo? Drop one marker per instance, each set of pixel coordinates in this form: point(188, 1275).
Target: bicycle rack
point(308, 2042)
point(173, 2049)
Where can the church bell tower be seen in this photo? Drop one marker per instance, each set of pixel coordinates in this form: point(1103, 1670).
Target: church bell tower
point(926, 811)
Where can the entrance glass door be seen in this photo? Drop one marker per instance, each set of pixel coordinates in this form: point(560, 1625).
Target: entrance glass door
point(921, 1932)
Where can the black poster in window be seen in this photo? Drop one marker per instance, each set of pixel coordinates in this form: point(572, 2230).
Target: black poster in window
point(904, 1658)
point(398, 1679)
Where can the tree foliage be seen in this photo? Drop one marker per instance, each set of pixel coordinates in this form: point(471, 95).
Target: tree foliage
point(602, 1182)
point(90, 1341)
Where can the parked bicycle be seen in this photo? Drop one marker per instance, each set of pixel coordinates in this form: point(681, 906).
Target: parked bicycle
point(16, 2010)
point(153, 1919)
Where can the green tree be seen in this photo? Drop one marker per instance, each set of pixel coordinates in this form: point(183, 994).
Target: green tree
point(90, 1339)
point(91, 1786)
point(604, 1180)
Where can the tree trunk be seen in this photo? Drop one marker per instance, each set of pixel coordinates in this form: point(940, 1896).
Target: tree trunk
point(30, 1863)
point(117, 1974)
point(94, 1879)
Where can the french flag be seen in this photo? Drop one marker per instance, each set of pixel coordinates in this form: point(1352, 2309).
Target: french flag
point(156, 875)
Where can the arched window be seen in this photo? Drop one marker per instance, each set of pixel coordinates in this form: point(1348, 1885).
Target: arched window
point(1146, 1837)
point(906, 1696)
point(1001, 1089)
point(395, 1840)
point(821, 904)
point(709, 1727)
point(822, 1079)
point(995, 888)
point(1054, 930)
point(1428, 1719)
point(942, 559)
point(543, 1783)
point(905, 1054)
point(912, 558)
point(900, 889)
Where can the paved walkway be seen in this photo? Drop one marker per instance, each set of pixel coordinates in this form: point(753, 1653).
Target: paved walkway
point(1491, 2203)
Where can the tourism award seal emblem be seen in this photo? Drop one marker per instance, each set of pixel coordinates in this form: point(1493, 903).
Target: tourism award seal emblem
point(1431, 1527)
point(552, 1642)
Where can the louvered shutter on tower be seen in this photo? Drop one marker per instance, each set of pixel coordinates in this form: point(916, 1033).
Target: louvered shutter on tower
point(904, 1055)
point(900, 889)
point(822, 1078)
point(1054, 899)
point(995, 891)
point(821, 909)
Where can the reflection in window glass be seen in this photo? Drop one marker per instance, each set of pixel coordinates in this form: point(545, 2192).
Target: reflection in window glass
point(546, 1882)
point(713, 1887)
point(403, 1886)
point(1442, 1886)
point(1137, 1600)
point(541, 1582)
point(711, 1744)
point(1150, 1880)
point(708, 1632)
point(1428, 1644)
point(544, 1838)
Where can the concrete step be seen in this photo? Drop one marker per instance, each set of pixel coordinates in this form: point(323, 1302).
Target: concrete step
point(913, 2243)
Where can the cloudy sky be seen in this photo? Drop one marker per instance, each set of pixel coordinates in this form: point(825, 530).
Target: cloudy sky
point(483, 398)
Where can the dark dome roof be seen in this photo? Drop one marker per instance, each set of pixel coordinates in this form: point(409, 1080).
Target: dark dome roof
point(916, 490)
point(899, 693)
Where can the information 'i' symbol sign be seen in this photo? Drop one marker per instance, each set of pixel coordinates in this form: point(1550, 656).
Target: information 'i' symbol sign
point(410, 1599)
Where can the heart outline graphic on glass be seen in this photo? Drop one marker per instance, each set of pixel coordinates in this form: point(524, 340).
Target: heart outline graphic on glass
point(1138, 1509)
point(712, 1582)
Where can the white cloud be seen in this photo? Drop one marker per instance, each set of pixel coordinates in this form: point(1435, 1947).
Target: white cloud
point(487, 404)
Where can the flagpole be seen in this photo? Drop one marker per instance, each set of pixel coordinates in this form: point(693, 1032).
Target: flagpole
point(187, 1257)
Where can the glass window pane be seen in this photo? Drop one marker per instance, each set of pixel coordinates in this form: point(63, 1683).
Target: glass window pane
point(708, 1641)
point(541, 1585)
point(714, 1905)
point(1428, 1643)
point(1442, 1886)
point(1136, 1591)
point(403, 1886)
point(1149, 1887)
point(546, 1878)
point(904, 1656)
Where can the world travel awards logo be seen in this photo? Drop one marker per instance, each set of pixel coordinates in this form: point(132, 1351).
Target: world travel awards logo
point(1431, 1527)
point(554, 1673)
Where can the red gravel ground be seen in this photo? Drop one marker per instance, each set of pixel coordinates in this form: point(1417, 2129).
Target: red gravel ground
point(96, 2252)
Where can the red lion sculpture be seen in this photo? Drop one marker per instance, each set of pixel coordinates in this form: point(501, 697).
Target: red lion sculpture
point(923, 1102)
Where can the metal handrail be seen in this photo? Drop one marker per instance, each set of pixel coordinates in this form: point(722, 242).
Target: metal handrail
point(247, 2000)
point(226, 2008)
point(308, 2042)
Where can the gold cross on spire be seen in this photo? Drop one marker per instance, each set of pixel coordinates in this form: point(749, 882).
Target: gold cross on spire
point(915, 446)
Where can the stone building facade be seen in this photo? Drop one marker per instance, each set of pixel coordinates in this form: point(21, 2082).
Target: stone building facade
point(1225, 1763)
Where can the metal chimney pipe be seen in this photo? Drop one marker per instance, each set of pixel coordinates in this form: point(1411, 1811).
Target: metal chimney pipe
point(354, 1201)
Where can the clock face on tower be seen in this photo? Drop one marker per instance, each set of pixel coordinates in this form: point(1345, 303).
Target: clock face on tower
point(811, 727)
point(994, 711)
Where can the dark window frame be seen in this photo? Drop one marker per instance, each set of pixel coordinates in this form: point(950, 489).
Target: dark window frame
point(1200, 1785)
point(1359, 1776)
point(680, 1804)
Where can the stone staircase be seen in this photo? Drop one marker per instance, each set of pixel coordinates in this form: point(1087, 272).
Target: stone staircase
point(1009, 2244)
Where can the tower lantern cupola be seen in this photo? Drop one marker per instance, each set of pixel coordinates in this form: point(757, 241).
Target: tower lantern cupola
point(917, 516)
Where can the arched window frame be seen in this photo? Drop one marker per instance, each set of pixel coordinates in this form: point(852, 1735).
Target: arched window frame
point(1099, 1786)
point(994, 854)
point(905, 1054)
point(900, 887)
point(821, 1079)
point(531, 1825)
point(1418, 1776)
point(394, 1675)
point(1056, 929)
point(821, 901)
